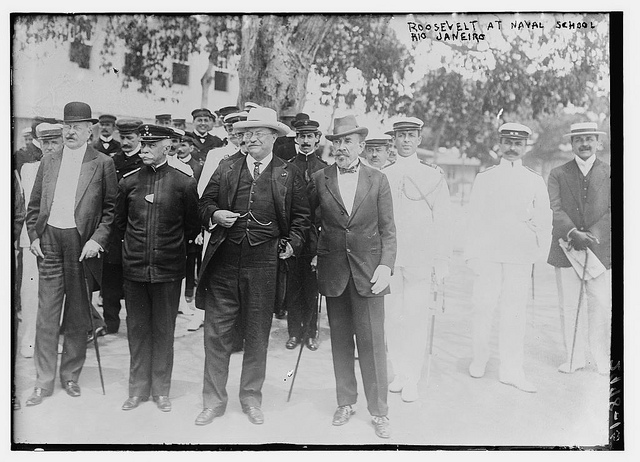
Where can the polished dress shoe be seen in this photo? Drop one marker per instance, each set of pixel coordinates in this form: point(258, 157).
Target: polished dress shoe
point(292, 343)
point(163, 403)
point(133, 402)
point(342, 415)
point(37, 396)
point(207, 415)
point(255, 415)
point(381, 426)
point(72, 388)
point(312, 344)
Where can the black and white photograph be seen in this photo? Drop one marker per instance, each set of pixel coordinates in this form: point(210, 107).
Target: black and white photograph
point(269, 230)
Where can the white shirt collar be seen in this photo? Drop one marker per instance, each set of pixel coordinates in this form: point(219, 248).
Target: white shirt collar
point(186, 159)
point(412, 159)
point(200, 135)
point(250, 161)
point(508, 163)
point(585, 165)
point(75, 152)
point(134, 152)
point(106, 140)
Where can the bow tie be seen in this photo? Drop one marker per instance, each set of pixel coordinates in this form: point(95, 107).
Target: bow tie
point(352, 169)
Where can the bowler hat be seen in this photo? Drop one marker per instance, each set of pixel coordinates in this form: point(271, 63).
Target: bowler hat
point(150, 132)
point(344, 126)
point(263, 117)
point(584, 128)
point(77, 111)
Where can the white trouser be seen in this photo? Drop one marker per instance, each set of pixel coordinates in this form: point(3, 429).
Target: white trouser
point(407, 320)
point(29, 298)
point(506, 286)
point(594, 321)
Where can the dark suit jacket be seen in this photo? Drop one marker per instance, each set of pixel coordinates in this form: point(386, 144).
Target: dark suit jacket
point(292, 207)
point(94, 204)
point(285, 147)
point(114, 146)
point(570, 210)
point(203, 147)
point(353, 245)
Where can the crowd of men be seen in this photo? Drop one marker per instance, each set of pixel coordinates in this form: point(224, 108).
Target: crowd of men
point(260, 222)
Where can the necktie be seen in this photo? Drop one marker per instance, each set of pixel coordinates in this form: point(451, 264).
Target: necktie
point(351, 169)
point(256, 169)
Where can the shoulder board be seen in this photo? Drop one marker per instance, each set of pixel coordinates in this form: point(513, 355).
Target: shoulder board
point(433, 166)
point(487, 169)
point(131, 172)
point(387, 165)
point(532, 170)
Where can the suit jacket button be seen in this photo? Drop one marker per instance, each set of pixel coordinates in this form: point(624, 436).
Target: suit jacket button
point(348, 250)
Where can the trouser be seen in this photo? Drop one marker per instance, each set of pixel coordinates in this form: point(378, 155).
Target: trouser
point(61, 277)
point(241, 281)
point(594, 322)
point(351, 314)
point(29, 297)
point(407, 320)
point(505, 286)
point(151, 320)
point(112, 293)
point(301, 299)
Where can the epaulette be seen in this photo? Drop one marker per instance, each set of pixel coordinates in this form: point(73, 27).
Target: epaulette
point(131, 172)
point(532, 170)
point(433, 166)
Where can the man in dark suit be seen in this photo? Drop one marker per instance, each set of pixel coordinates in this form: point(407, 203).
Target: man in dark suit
point(580, 196)
point(258, 212)
point(69, 220)
point(203, 140)
point(125, 160)
point(356, 252)
point(301, 297)
point(105, 142)
point(156, 213)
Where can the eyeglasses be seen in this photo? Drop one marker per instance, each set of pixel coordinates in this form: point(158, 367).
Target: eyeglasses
point(249, 135)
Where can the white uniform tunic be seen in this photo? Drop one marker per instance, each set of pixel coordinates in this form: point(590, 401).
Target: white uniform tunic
point(422, 213)
point(508, 229)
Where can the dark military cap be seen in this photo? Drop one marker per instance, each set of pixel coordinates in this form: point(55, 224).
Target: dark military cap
point(107, 118)
point(225, 111)
point(46, 131)
point(234, 117)
point(302, 123)
point(126, 126)
point(188, 137)
point(179, 121)
point(514, 131)
point(177, 133)
point(202, 112)
point(163, 116)
point(150, 132)
point(408, 123)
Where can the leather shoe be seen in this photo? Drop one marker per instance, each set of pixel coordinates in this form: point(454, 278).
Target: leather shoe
point(381, 426)
point(312, 344)
point(342, 415)
point(133, 402)
point(207, 415)
point(281, 314)
point(163, 403)
point(292, 343)
point(255, 415)
point(72, 388)
point(37, 396)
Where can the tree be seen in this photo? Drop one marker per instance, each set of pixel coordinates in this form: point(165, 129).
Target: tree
point(273, 54)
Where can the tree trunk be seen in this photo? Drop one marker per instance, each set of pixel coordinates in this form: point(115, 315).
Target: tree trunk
point(277, 54)
point(205, 81)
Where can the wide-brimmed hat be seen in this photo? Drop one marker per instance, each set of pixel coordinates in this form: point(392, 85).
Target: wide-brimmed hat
point(262, 117)
point(77, 111)
point(584, 128)
point(344, 126)
point(514, 131)
point(47, 131)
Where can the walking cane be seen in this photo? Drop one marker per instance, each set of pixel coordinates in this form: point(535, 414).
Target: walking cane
point(93, 332)
point(304, 340)
point(575, 328)
point(435, 291)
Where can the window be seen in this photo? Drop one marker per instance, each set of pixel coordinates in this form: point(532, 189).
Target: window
point(132, 64)
point(221, 82)
point(180, 74)
point(80, 54)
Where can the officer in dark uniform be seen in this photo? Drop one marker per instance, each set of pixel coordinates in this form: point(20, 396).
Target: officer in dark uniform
point(163, 119)
point(156, 212)
point(203, 140)
point(180, 123)
point(105, 142)
point(301, 297)
point(126, 160)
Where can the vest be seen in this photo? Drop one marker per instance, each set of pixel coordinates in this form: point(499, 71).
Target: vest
point(254, 202)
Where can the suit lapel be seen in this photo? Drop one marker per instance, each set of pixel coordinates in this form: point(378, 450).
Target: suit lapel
point(89, 166)
point(572, 178)
point(233, 179)
point(364, 185)
point(50, 179)
point(331, 177)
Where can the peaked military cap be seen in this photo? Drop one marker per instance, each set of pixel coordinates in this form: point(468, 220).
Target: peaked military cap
point(302, 123)
point(202, 112)
point(235, 117)
point(47, 131)
point(515, 131)
point(163, 116)
point(126, 126)
point(107, 118)
point(378, 139)
point(408, 123)
point(150, 132)
point(225, 111)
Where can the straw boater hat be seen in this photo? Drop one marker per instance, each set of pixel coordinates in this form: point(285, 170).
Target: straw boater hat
point(378, 139)
point(47, 131)
point(346, 126)
point(514, 131)
point(77, 111)
point(262, 117)
point(584, 128)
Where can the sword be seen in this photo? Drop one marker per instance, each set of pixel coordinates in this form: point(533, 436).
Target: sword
point(438, 298)
point(95, 336)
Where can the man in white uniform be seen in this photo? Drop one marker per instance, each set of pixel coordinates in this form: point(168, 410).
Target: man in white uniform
point(422, 212)
point(508, 230)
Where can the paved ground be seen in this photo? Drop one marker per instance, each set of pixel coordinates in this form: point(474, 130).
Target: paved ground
point(454, 409)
